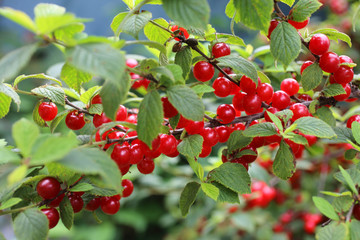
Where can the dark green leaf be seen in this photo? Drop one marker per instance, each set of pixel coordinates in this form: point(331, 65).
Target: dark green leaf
point(188, 196)
point(66, 213)
point(237, 141)
point(355, 129)
point(325, 208)
point(131, 25)
point(225, 194)
point(303, 9)
point(191, 146)
point(284, 163)
point(25, 134)
point(183, 58)
point(342, 203)
point(333, 90)
point(354, 174)
point(311, 77)
point(261, 129)
point(239, 65)
point(296, 138)
point(325, 114)
point(343, 135)
point(348, 180)
point(315, 127)
point(82, 187)
point(350, 154)
point(31, 224)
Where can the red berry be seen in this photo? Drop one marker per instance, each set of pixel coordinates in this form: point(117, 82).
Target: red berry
point(121, 114)
point(210, 136)
point(220, 50)
point(339, 6)
point(345, 59)
point(356, 211)
point(93, 204)
point(48, 188)
point(75, 120)
point(96, 99)
point(48, 111)
point(238, 101)
point(299, 25)
point(352, 119)
point(182, 32)
point(344, 96)
point(222, 86)
point(109, 205)
point(125, 169)
point(247, 158)
point(227, 70)
point(146, 166)
point(99, 120)
point(137, 153)
point(53, 216)
point(194, 127)
point(223, 133)
point(121, 155)
point(168, 144)
point(305, 65)
point(169, 110)
point(205, 151)
point(131, 62)
point(329, 62)
point(252, 103)
point(273, 25)
point(299, 110)
point(77, 203)
point(128, 187)
point(203, 71)
point(290, 86)
point(56, 202)
point(226, 113)
point(344, 75)
point(265, 91)
point(319, 44)
point(248, 85)
point(280, 100)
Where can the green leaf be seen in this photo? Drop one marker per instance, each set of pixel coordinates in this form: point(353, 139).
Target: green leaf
point(227, 38)
point(150, 117)
point(68, 34)
point(96, 162)
point(240, 65)
point(315, 127)
point(333, 231)
point(202, 88)
point(31, 224)
point(261, 129)
point(354, 227)
point(210, 190)
point(285, 44)
point(354, 174)
point(188, 13)
point(284, 163)
point(233, 176)
point(350, 154)
point(325, 208)
point(288, 2)
point(55, 122)
point(89, 94)
point(355, 129)
point(74, 77)
point(303, 9)
point(185, 100)
point(14, 61)
point(5, 105)
point(36, 117)
point(237, 140)
point(52, 148)
point(225, 194)
point(62, 173)
point(188, 196)
point(348, 180)
point(9, 203)
point(276, 121)
point(7, 156)
point(156, 34)
point(343, 134)
point(263, 77)
point(325, 114)
point(191, 146)
point(66, 213)
point(334, 34)
point(296, 138)
point(19, 17)
point(333, 90)
point(196, 167)
point(35, 76)
point(255, 14)
point(82, 187)
point(55, 94)
point(131, 25)
point(17, 175)
point(342, 203)
point(9, 91)
point(183, 58)
point(25, 134)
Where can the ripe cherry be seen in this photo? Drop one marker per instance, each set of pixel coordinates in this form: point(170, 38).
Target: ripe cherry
point(48, 188)
point(53, 216)
point(77, 203)
point(121, 155)
point(220, 50)
point(168, 144)
point(222, 86)
point(319, 44)
point(131, 62)
point(203, 71)
point(280, 100)
point(352, 119)
point(252, 103)
point(223, 133)
point(299, 110)
point(290, 86)
point(205, 151)
point(194, 127)
point(169, 110)
point(182, 32)
point(299, 25)
point(345, 59)
point(109, 205)
point(137, 153)
point(329, 62)
point(56, 202)
point(75, 120)
point(93, 204)
point(248, 85)
point(265, 91)
point(96, 99)
point(238, 101)
point(99, 120)
point(146, 166)
point(273, 25)
point(210, 136)
point(344, 75)
point(339, 6)
point(226, 113)
point(48, 111)
point(121, 114)
point(305, 65)
point(356, 211)
point(344, 96)
point(128, 187)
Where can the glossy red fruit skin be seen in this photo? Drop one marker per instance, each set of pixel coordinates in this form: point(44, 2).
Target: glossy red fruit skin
point(128, 187)
point(319, 44)
point(273, 25)
point(131, 62)
point(121, 114)
point(168, 144)
point(93, 204)
point(121, 155)
point(299, 25)
point(265, 91)
point(210, 136)
point(48, 188)
point(56, 202)
point(137, 153)
point(352, 119)
point(343, 75)
point(356, 211)
point(169, 110)
point(75, 120)
point(339, 7)
point(238, 101)
point(99, 120)
point(53, 216)
point(96, 99)
point(344, 96)
point(203, 71)
point(305, 65)
point(222, 86)
point(77, 203)
point(183, 32)
point(146, 166)
point(220, 50)
point(345, 59)
point(223, 133)
point(290, 86)
point(252, 103)
point(329, 62)
point(280, 100)
point(48, 111)
point(299, 110)
point(225, 113)
point(248, 85)
point(194, 127)
point(109, 205)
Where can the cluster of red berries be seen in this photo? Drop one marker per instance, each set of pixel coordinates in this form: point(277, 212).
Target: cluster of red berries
point(138, 80)
point(261, 195)
point(49, 188)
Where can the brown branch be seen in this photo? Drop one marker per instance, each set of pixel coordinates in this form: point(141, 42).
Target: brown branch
point(81, 110)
